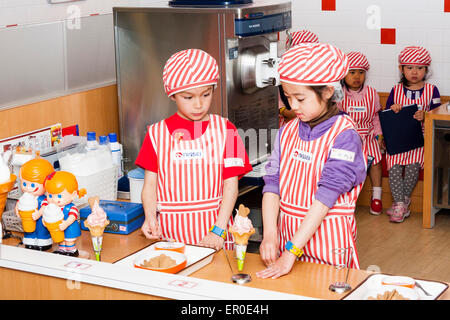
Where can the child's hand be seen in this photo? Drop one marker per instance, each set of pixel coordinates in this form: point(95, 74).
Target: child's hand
point(419, 115)
point(151, 229)
point(212, 241)
point(282, 266)
point(396, 108)
point(269, 250)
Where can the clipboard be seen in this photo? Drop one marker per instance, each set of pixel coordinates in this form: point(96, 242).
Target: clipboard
point(401, 131)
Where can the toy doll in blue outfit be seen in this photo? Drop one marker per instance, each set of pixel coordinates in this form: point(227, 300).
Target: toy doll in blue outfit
point(32, 175)
point(62, 189)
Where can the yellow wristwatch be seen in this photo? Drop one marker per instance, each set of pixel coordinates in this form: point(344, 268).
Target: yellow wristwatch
point(281, 110)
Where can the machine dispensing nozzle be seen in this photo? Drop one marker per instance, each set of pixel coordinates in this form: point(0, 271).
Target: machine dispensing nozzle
point(266, 69)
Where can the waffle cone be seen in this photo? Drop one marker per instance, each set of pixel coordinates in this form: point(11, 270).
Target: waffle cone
point(55, 232)
point(28, 223)
point(96, 231)
point(241, 239)
point(5, 188)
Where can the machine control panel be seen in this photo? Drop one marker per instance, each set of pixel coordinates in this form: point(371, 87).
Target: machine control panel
point(257, 23)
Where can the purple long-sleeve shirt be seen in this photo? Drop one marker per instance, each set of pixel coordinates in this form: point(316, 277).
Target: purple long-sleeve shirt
point(338, 176)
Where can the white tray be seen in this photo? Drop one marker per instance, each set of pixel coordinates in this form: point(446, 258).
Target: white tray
point(373, 282)
point(197, 257)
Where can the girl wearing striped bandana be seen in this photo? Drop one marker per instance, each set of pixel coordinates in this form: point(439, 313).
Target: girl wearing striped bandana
point(362, 103)
point(192, 160)
point(284, 109)
point(414, 62)
point(316, 170)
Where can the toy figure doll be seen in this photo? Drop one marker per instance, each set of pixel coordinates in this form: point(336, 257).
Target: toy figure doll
point(32, 175)
point(62, 189)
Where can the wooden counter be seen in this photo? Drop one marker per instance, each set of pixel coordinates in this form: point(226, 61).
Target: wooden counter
point(440, 113)
point(305, 279)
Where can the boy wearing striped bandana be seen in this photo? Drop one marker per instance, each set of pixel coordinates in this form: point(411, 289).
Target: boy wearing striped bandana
point(414, 62)
point(192, 160)
point(316, 170)
point(362, 103)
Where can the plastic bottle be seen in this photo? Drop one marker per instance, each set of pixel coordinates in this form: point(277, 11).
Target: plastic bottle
point(116, 151)
point(103, 142)
point(91, 143)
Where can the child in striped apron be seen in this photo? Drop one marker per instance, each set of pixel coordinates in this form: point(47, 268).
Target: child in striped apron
point(362, 103)
point(404, 168)
point(192, 160)
point(284, 109)
point(316, 170)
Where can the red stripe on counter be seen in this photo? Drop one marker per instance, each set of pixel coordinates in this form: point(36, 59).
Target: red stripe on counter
point(11, 25)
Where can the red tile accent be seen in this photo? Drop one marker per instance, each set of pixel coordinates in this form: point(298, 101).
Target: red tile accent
point(446, 5)
point(328, 5)
point(387, 36)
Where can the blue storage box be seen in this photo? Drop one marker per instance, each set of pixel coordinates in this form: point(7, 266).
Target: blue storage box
point(124, 217)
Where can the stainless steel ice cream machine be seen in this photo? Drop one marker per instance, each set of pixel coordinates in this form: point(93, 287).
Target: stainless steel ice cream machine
point(243, 36)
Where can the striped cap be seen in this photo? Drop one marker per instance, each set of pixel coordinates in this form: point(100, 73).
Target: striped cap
point(188, 69)
point(357, 60)
point(302, 36)
point(313, 64)
point(414, 55)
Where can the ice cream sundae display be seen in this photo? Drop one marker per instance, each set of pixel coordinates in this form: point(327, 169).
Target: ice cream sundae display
point(26, 206)
point(52, 218)
point(96, 223)
point(242, 229)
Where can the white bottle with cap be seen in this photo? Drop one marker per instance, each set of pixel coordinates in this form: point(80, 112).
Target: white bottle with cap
point(116, 151)
point(91, 143)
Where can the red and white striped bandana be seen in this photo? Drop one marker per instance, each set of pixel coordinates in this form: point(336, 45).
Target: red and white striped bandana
point(357, 60)
point(188, 69)
point(313, 64)
point(302, 36)
point(414, 55)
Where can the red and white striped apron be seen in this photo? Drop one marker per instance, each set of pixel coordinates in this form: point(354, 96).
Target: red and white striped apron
point(190, 181)
point(363, 112)
point(415, 155)
point(301, 165)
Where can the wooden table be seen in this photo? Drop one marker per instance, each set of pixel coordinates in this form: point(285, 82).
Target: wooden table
point(305, 279)
point(429, 211)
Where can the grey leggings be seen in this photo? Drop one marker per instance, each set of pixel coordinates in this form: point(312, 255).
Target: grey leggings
point(402, 187)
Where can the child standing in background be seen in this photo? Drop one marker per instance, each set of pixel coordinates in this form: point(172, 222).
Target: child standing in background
point(192, 160)
point(316, 170)
point(297, 37)
point(362, 103)
point(414, 62)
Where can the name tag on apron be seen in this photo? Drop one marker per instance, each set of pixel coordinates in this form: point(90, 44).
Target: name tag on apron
point(341, 154)
point(185, 155)
point(303, 156)
point(357, 109)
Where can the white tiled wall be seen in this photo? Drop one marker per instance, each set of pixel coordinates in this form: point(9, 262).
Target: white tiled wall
point(417, 22)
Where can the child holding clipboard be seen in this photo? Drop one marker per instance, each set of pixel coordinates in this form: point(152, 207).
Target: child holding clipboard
point(414, 62)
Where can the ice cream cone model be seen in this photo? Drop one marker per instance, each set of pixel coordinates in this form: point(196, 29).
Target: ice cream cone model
point(96, 223)
point(52, 218)
point(242, 229)
point(5, 188)
point(26, 206)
